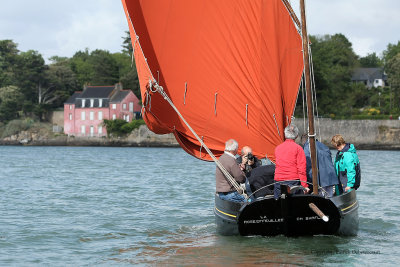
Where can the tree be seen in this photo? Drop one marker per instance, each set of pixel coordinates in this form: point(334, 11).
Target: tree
point(127, 72)
point(371, 61)
point(391, 51)
point(30, 74)
point(10, 102)
point(393, 71)
point(333, 61)
point(8, 61)
point(95, 68)
point(59, 83)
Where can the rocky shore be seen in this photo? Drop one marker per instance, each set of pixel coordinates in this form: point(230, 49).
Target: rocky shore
point(365, 134)
point(140, 137)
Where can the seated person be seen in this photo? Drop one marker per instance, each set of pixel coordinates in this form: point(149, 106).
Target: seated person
point(247, 161)
point(259, 180)
point(224, 188)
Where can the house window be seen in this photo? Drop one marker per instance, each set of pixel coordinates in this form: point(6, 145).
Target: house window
point(83, 129)
point(83, 115)
point(114, 117)
point(70, 116)
point(127, 118)
point(91, 130)
point(130, 106)
point(91, 102)
point(124, 106)
point(100, 129)
point(91, 115)
point(70, 106)
point(83, 103)
point(100, 115)
point(100, 103)
point(114, 106)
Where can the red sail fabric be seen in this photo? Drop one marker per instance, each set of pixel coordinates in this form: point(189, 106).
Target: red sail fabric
point(231, 67)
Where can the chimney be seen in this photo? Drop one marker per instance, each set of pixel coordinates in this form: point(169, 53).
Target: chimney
point(118, 86)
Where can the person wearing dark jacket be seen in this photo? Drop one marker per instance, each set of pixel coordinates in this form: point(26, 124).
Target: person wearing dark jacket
point(247, 161)
point(347, 164)
point(327, 177)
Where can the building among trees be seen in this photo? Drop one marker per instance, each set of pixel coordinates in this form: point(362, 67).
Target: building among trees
point(371, 77)
point(85, 110)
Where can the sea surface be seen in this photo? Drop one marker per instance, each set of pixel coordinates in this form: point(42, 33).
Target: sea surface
point(102, 206)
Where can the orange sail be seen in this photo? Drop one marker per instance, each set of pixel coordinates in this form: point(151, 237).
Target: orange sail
point(231, 67)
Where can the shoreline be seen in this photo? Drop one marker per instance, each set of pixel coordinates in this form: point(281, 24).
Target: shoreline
point(364, 134)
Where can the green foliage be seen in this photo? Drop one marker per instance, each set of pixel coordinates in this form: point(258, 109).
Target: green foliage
point(393, 71)
point(391, 51)
point(120, 127)
point(16, 126)
point(8, 60)
point(333, 61)
point(10, 102)
point(371, 61)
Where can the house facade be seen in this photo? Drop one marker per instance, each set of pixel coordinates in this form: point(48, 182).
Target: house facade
point(85, 110)
point(371, 77)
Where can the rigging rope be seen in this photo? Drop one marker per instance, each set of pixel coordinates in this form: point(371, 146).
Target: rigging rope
point(159, 89)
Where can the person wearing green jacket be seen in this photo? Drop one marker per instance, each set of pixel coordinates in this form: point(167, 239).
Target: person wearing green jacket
point(347, 165)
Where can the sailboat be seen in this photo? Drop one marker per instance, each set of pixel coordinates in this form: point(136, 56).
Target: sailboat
point(210, 71)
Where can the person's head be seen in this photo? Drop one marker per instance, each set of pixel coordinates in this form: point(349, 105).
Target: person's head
point(291, 132)
point(338, 141)
point(231, 146)
point(246, 150)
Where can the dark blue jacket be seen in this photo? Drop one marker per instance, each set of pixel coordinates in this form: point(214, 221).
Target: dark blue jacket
point(327, 175)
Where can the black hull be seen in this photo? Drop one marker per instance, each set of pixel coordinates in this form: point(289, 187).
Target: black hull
point(290, 216)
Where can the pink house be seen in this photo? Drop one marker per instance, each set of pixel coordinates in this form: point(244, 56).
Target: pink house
point(85, 110)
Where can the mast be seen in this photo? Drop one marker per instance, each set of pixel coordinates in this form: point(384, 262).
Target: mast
point(311, 129)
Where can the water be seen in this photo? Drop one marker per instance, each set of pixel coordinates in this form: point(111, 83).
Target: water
point(154, 206)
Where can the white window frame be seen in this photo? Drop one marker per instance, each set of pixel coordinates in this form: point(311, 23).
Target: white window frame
point(114, 116)
point(100, 115)
point(91, 115)
point(114, 106)
point(124, 106)
point(70, 116)
point(100, 129)
point(100, 103)
point(91, 130)
point(127, 118)
point(130, 106)
point(83, 129)
point(91, 102)
point(83, 102)
point(70, 106)
point(83, 115)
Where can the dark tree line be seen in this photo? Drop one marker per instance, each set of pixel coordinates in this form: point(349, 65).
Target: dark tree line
point(29, 86)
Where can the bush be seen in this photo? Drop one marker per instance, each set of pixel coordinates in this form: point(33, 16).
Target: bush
point(16, 126)
point(120, 127)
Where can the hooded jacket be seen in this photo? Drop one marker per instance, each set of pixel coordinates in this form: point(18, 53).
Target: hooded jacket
point(326, 171)
point(347, 167)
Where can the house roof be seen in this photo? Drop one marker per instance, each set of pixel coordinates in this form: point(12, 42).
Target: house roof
point(72, 98)
point(119, 96)
point(97, 92)
point(365, 74)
